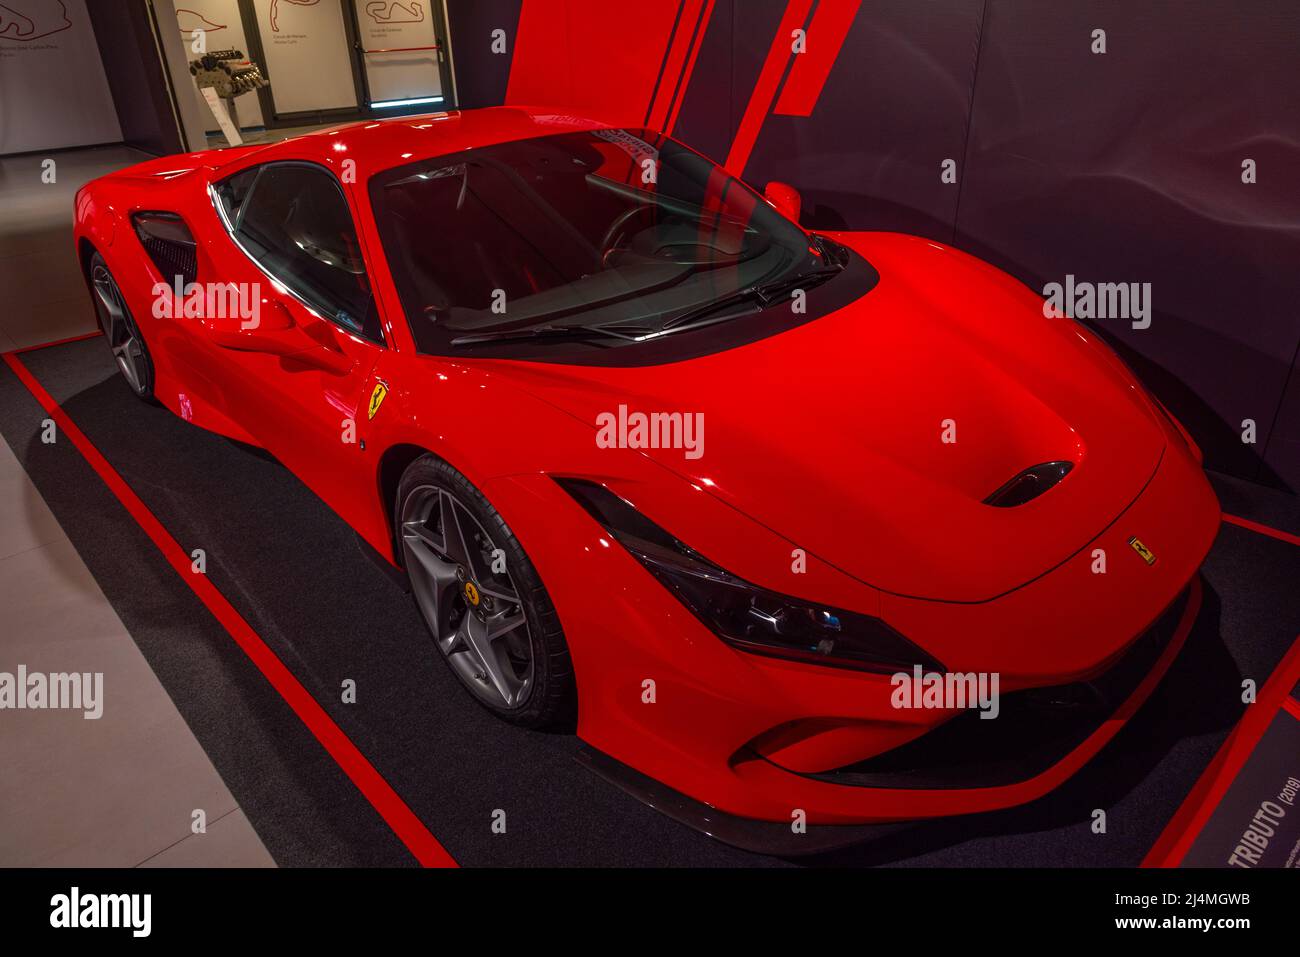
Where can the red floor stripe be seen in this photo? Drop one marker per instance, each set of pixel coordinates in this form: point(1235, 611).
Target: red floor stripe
point(1262, 529)
point(1182, 830)
point(354, 764)
point(1292, 707)
point(58, 342)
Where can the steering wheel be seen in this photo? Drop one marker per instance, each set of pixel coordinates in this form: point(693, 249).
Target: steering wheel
point(608, 242)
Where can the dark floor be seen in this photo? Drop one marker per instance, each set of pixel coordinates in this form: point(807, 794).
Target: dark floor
point(294, 571)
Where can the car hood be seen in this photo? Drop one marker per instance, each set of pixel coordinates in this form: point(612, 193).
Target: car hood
point(832, 434)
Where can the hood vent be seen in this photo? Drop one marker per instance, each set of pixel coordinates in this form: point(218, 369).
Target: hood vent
point(1029, 484)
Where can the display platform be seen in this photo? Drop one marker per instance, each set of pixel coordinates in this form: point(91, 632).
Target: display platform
point(256, 653)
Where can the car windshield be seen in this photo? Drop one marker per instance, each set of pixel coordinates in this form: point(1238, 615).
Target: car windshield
point(625, 233)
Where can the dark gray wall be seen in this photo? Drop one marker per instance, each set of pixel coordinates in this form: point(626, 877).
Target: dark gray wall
point(1128, 167)
point(1116, 167)
point(481, 75)
point(135, 75)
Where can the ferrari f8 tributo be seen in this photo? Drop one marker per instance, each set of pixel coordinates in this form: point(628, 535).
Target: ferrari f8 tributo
point(749, 503)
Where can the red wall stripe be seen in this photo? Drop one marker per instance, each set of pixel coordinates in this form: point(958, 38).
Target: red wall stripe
point(760, 100)
point(395, 812)
point(1292, 707)
point(673, 62)
point(593, 57)
point(706, 16)
point(830, 25)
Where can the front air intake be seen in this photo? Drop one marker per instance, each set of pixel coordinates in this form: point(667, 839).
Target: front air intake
point(1029, 484)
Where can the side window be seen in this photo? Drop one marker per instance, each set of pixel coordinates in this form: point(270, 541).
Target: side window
point(232, 192)
point(293, 219)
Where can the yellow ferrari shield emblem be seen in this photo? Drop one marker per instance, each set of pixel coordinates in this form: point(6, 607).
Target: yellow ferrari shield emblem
point(377, 398)
point(1146, 554)
point(471, 594)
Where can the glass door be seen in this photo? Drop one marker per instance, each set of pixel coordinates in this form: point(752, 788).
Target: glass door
point(307, 59)
point(404, 63)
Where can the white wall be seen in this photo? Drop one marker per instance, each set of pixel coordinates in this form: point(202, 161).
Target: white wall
point(308, 61)
point(194, 113)
point(53, 92)
point(391, 26)
point(223, 31)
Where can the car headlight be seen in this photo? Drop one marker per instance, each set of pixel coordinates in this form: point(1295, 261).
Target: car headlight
point(743, 614)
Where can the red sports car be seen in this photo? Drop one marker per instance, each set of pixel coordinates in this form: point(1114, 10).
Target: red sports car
point(783, 518)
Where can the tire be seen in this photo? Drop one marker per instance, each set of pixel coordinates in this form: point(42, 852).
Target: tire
point(120, 330)
point(470, 587)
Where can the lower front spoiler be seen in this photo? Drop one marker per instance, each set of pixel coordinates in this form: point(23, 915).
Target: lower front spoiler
point(776, 838)
point(899, 807)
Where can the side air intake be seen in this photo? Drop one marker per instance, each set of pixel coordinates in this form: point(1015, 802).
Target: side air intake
point(169, 243)
point(1029, 484)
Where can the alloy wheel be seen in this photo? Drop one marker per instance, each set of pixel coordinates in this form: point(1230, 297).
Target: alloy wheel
point(473, 611)
point(119, 329)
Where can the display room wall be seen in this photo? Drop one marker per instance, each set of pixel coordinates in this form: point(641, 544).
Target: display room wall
point(1062, 165)
point(224, 28)
point(146, 111)
point(306, 52)
point(53, 92)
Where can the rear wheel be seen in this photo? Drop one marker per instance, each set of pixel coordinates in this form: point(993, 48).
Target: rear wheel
point(120, 330)
point(481, 598)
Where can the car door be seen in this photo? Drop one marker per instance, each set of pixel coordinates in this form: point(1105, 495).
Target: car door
point(299, 381)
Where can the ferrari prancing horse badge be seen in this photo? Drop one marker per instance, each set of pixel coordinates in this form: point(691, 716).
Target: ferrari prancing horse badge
point(377, 398)
point(1145, 553)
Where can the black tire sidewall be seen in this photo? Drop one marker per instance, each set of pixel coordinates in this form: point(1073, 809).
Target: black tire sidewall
point(146, 393)
point(551, 701)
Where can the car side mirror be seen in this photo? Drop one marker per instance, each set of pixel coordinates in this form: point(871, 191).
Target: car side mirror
point(785, 199)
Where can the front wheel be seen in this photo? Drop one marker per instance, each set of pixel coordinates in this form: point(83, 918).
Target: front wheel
point(481, 598)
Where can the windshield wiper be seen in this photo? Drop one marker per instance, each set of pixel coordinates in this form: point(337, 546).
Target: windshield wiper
point(764, 293)
point(552, 332)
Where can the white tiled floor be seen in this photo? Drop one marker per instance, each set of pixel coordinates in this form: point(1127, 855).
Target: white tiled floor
point(117, 791)
point(120, 790)
point(229, 841)
point(40, 282)
point(25, 520)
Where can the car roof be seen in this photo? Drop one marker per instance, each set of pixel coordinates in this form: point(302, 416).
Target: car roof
point(377, 145)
